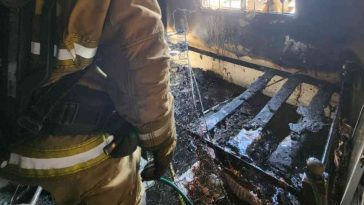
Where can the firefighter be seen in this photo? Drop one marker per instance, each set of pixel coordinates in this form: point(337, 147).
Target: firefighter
point(122, 43)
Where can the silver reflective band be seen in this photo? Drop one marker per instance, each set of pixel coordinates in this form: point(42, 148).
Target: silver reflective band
point(65, 54)
point(151, 135)
point(85, 52)
point(35, 48)
point(58, 163)
point(101, 71)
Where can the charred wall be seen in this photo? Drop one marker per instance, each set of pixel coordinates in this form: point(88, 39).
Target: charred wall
point(317, 39)
point(319, 36)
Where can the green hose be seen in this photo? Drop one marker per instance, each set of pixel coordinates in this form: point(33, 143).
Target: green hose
point(170, 183)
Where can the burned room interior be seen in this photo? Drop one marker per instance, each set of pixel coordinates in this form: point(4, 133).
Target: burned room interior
point(268, 104)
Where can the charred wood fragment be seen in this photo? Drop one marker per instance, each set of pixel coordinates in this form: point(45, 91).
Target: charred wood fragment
point(271, 108)
point(256, 87)
point(253, 130)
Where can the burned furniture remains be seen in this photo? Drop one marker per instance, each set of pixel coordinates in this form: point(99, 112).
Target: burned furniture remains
point(286, 163)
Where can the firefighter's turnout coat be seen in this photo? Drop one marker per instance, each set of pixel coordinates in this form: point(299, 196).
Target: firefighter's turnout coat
point(127, 38)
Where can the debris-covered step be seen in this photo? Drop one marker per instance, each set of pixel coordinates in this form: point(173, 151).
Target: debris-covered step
point(312, 121)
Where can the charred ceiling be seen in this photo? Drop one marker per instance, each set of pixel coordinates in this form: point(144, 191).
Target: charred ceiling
point(319, 36)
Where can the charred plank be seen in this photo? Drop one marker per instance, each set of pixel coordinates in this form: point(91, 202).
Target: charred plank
point(267, 113)
point(313, 115)
point(253, 130)
point(256, 87)
point(311, 122)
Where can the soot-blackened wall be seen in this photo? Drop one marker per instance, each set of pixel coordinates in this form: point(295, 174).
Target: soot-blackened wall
point(319, 36)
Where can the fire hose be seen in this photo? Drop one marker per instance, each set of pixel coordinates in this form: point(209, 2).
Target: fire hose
point(171, 184)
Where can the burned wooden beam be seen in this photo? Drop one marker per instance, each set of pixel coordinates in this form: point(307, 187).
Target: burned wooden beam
point(256, 87)
point(267, 113)
point(313, 115)
point(253, 130)
point(312, 121)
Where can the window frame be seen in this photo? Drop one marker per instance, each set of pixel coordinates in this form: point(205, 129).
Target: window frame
point(243, 8)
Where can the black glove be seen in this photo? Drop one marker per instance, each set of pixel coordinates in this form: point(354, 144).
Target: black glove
point(162, 157)
point(125, 141)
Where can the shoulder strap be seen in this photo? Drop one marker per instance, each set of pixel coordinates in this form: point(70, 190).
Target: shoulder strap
point(45, 65)
point(16, 26)
point(31, 122)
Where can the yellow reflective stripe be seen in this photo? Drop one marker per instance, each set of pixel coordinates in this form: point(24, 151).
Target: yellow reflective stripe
point(34, 152)
point(67, 67)
point(72, 38)
point(67, 61)
point(26, 162)
point(15, 170)
point(46, 167)
point(38, 7)
point(65, 64)
point(83, 62)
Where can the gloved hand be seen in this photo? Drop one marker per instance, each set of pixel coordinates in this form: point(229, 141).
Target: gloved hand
point(125, 138)
point(162, 157)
